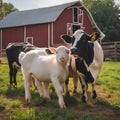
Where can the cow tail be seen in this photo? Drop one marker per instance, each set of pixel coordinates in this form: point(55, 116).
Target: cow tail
point(21, 55)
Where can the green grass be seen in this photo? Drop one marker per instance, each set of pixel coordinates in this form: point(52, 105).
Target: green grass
point(13, 105)
point(110, 75)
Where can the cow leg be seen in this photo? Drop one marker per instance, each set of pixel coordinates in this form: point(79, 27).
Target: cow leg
point(84, 89)
point(66, 86)
point(27, 84)
point(14, 76)
point(46, 91)
point(59, 91)
point(75, 81)
point(11, 74)
point(94, 94)
point(38, 84)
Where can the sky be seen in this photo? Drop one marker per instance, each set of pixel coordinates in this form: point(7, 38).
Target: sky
point(33, 4)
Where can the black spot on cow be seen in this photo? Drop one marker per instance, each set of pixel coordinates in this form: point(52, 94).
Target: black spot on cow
point(12, 51)
point(82, 69)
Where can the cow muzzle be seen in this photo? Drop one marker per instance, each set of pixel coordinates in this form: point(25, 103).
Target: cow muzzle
point(73, 51)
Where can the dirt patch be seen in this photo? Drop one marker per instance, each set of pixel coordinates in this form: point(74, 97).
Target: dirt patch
point(103, 112)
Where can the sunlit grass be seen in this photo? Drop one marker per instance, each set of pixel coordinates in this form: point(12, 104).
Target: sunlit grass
point(110, 75)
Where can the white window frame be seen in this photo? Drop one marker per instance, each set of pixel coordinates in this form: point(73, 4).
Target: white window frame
point(29, 38)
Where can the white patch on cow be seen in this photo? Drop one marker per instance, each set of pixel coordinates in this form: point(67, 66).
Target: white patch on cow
point(78, 34)
point(96, 65)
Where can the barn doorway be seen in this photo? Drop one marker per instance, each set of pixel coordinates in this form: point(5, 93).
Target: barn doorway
point(75, 27)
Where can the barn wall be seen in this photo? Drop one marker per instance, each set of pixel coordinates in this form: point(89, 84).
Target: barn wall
point(60, 25)
point(12, 35)
point(39, 34)
point(87, 24)
point(0, 39)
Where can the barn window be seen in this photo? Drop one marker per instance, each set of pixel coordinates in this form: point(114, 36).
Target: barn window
point(72, 27)
point(75, 12)
point(81, 16)
point(29, 39)
point(75, 27)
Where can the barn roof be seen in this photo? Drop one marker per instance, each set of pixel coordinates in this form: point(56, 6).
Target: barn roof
point(35, 16)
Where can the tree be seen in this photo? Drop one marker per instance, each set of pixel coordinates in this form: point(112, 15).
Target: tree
point(5, 9)
point(107, 16)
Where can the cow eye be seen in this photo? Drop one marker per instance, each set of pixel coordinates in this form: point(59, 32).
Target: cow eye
point(67, 51)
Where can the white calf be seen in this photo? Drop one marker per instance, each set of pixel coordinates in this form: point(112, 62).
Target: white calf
point(52, 68)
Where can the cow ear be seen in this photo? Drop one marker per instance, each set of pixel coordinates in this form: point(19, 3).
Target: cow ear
point(52, 50)
point(66, 38)
point(94, 36)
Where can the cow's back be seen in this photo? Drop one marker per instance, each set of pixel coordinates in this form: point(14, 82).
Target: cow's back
point(96, 65)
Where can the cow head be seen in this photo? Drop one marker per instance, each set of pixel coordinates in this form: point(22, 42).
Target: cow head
point(79, 41)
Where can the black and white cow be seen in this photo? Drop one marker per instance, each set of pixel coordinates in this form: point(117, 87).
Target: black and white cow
point(12, 51)
point(88, 55)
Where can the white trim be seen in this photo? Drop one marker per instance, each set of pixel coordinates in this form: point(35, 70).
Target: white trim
point(73, 14)
point(69, 28)
point(27, 40)
point(52, 33)
point(71, 24)
point(93, 22)
point(80, 15)
point(48, 35)
point(24, 33)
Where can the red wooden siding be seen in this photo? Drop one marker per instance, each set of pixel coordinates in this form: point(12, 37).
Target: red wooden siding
point(87, 24)
point(12, 35)
point(60, 25)
point(39, 34)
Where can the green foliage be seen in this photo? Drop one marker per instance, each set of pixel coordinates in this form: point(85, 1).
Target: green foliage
point(5, 9)
point(107, 16)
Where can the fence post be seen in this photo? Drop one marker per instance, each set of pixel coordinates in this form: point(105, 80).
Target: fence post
point(115, 51)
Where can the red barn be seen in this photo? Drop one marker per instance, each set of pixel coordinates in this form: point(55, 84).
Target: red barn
point(43, 26)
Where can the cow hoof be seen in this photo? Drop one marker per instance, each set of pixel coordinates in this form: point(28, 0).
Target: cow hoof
point(28, 101)
point(67, 93)
point(15, 86)
point(47, 98)
point(11, 85)
point(94, 94)
point(84, 99)
point(74, 92)
point(62, 106)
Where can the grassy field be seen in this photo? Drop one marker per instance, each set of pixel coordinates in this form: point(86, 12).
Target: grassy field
point(106, 106)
